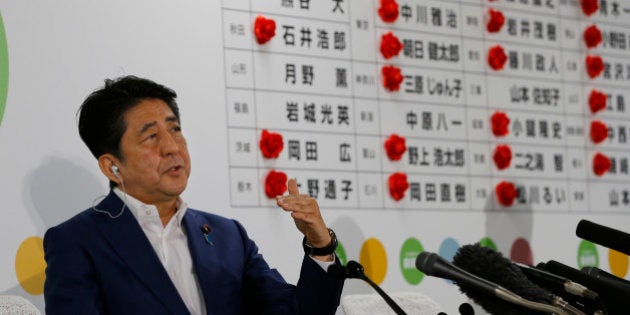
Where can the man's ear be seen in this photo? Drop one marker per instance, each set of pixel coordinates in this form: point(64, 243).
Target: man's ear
point(109, 166)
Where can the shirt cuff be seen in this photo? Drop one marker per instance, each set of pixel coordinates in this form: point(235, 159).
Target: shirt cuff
point(324, 264)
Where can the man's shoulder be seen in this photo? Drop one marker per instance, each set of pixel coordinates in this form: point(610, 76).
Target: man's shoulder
point(109, 206)
point(82, 223)
point(210, 216)
point(215, 221)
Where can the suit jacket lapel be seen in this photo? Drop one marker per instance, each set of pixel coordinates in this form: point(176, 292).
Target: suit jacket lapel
point(127, 238)
point(205, 257)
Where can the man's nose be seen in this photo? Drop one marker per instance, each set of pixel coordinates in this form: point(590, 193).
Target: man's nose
point(169, 144)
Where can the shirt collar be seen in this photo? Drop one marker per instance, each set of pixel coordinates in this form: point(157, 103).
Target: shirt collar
point(142, 211)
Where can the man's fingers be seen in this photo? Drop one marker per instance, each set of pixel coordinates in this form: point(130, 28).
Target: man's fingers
point(293, 188)
point(299, 205)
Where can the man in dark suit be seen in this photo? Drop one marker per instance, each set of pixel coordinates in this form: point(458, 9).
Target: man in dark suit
point(143, 251)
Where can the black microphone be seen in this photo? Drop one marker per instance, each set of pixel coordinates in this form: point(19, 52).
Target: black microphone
point(434, 265)
point(610, 297)
point(489, 264)
point(603, 235)
point(574, 293)
point(354, 270)
point(557, 283)
point(608, 278)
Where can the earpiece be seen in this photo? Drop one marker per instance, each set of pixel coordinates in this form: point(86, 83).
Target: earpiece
point(114, 169)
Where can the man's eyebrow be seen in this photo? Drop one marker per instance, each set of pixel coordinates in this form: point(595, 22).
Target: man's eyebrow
point(146, 126)
point(171, 118)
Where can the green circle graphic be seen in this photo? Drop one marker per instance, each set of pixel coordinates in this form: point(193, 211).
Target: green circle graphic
point(4, 68)
point(341, 253)
point(488, 242)
point(587, 255)
point(408, 254)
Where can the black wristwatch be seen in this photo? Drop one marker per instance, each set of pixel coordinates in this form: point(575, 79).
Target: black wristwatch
point(313, 251)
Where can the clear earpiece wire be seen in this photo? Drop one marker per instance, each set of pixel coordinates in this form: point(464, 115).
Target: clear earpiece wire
point(122, 209)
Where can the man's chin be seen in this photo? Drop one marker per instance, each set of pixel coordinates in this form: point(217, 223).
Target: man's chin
point(176, 190)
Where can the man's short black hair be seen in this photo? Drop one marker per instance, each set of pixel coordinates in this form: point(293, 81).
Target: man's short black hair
point(101, 116)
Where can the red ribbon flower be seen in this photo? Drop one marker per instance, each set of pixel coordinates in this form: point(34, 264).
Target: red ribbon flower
point(398, 185)
point(395, 147)
point(597, 101)
point(589, 6)
point(270, 144)
point(388, 11)
point(599, 131)
point(500, 123)
point(497, 57)
point(592, 36)
point(392, 77)
point(390, 45)
point(275, 184)
point(601, 164)
point(502, 156)
point(594, 66)
point(496, 19)
point(506, 193)
point(264, 29)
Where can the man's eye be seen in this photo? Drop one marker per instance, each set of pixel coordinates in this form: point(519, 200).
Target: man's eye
point(177, 129)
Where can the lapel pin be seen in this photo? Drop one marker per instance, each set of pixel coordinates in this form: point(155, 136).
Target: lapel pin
point(206, 233)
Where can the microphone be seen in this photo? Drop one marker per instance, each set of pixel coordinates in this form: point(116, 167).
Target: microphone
point(608, 278)
point(354, 270)
point(575, 293)
point(609, 296)
point(603, 235)
point(557, 283)
point(492, 265)
point(434, 265)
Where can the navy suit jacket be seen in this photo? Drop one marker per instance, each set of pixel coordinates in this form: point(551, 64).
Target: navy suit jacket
point(100, 265)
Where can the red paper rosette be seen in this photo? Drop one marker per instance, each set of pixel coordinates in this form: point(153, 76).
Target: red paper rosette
point(496, 19)
point(500, 123)
point(594, 66)
point(275, 183)
point(502, 156)
point(497, 57)
point(388, 11)
point(395, 147)
point(597, 101)
point(506, 193)
point(270, 144)
point(398, 185)
point(392, 78)
point(599, 131)
point(390, 45)
point(264, 29)
point(592, 36)
point(601, 164)
point(589, 6)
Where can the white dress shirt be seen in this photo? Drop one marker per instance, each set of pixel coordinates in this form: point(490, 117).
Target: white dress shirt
point(171, 245)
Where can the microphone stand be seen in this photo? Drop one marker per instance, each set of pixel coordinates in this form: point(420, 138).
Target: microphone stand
point(354, 270)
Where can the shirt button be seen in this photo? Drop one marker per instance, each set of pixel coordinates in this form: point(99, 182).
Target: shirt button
point(148, 212)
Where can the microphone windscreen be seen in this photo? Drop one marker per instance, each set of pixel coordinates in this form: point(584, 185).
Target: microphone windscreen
point(492, 266)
